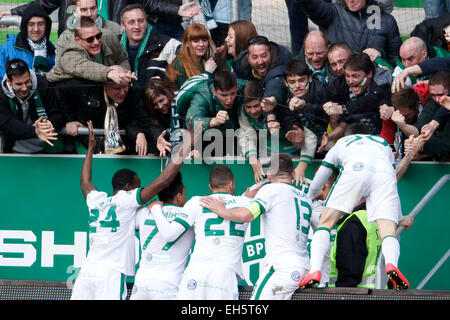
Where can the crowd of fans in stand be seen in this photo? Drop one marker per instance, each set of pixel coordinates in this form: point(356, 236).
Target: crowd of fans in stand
point(140, 69)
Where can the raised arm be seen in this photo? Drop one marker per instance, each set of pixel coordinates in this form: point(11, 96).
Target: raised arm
point(175, 163)
point(86, 169)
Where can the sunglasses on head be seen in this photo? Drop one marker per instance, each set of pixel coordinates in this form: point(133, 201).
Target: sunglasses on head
point(98, 36)
point(21, 64)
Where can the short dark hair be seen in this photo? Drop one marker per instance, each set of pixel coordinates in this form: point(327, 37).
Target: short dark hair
point(261, 40)
point(440, 78)
point(357, 128)
point(224, 80)
point(341, 45)
point(123, 177)
point(252, 90)
point(85, 22)
point(284, 165)
point(220, 176)
point(296, 67)
point(405, 97)
point(16, 67)
point(360, 61)
point(132, 7)
point(175, 187)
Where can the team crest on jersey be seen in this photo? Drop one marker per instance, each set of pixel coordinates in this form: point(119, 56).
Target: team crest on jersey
point(135, 290)
point(149, 257)
point(192, 284)
point(358, 166)
point(295, 276)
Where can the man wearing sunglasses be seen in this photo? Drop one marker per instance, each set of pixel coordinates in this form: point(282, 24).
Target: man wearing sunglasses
point(92, 55)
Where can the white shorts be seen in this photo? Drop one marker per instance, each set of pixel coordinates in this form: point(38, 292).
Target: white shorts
point(99, 283)
point(214, 283)
point(147, 288)
point(279, 284)
point(379, 189)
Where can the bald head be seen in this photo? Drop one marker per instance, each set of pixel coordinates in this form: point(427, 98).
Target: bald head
point(316, 49)
point(413, 51)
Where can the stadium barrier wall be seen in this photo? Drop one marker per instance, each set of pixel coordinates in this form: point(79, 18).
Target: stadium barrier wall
point(44, 218)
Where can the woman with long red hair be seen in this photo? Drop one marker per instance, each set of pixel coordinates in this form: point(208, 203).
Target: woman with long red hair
point(195, 56)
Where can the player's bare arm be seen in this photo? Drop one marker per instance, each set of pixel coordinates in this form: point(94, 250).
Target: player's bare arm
point(217, 206)
point(86, 169)
point(173, 167)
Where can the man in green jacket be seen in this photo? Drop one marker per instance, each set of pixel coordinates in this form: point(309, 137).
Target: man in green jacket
point(216, 104)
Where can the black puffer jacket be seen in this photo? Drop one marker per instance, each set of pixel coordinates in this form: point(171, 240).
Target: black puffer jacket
point(155, 7)
point(360, 30)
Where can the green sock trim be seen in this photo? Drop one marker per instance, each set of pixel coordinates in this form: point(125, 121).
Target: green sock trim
point(322, 228)
point(389, 236)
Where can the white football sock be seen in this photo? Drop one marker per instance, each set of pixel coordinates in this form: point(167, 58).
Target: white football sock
point(390, 247)
point(320, 247)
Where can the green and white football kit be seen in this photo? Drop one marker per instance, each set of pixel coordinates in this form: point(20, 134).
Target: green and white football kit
point(111, 255)
point(216, 260)
point(163, 259)
point(366, 164)
point(285, 214)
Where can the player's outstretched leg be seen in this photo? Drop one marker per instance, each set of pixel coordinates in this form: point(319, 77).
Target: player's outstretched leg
point(320, 246)
point(396, 277)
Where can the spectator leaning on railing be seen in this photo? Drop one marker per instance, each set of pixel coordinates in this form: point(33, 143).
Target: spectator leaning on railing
point(92, 55)
point(29, 115)
point(112, 107)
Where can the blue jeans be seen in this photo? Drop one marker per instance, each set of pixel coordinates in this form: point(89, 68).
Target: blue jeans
point(435, 8)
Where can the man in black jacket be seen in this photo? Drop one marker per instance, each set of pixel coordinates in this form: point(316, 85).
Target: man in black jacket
point(149, 51)
point(362, 24)
point(83, 100)
point(29, 115)
point(357, 97)
point(113, 9)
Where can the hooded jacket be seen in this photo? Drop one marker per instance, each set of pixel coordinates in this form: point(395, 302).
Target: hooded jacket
point(360, 30)
point(17, 46)
point(275, 75)
point(12, 122)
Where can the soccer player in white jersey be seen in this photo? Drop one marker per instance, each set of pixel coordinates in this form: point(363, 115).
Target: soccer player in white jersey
point(366, 165)
point(216, 259)
point(163, 260)
point(285, 212)
point(112, 224)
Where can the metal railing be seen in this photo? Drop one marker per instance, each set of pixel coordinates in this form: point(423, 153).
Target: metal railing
point(11, 21)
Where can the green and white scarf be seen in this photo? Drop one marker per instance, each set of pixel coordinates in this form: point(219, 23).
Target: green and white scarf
point(321, 74)
point(102, 6)
point(113, 141)
point(207, 10)
point(142, 46)
point(58, 145)
point(40, 62)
